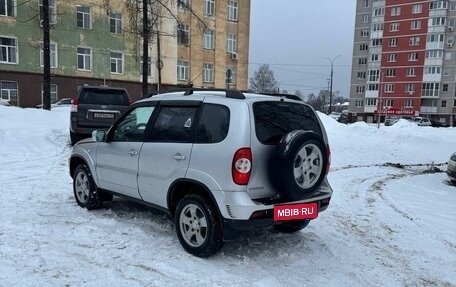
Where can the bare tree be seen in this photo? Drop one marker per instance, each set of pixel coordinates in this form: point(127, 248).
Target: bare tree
point(46, 56)
point(263, 80)
point(145, 18)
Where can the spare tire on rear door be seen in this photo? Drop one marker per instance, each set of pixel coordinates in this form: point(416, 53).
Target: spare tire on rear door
point(298, 165)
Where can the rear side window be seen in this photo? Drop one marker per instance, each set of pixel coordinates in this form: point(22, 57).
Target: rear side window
point(174, 124)
point(103, 97)
point(214, 124)
point(273, 120)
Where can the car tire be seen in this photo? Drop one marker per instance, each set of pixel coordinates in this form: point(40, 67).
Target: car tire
point(291, 226)
point(298, 165)
point(85, 191)
point(198, 226)
point(74, 138)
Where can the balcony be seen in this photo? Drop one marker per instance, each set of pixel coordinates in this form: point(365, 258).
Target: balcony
point(428, 110)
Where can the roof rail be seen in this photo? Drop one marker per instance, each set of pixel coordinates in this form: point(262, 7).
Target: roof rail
point(288, 96)
point(233, 94)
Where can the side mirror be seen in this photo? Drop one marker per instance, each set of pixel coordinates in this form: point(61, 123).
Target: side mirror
point(99, 135)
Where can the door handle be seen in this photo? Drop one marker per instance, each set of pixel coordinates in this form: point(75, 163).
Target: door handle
point(132, 152)
point(178, 156)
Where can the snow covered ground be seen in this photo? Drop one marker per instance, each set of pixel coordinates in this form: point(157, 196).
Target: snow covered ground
point(390, 222)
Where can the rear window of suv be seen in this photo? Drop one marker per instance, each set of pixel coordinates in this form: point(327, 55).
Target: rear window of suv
point(273, 120)
point(104, 97)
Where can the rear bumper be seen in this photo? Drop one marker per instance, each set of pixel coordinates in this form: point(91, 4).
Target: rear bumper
point(75, 128)
point(232, 228)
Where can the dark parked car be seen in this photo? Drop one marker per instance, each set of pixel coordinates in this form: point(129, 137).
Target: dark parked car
point(96, 107)
point(438, 124)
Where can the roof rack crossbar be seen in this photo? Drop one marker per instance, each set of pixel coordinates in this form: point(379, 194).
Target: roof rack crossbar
point(233, 94)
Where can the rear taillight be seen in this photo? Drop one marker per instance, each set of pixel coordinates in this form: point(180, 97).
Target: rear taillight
point(242, 166)
point(74, 104)
point(328, 154)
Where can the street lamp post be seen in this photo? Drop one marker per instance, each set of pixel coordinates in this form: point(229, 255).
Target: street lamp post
point(331, 83)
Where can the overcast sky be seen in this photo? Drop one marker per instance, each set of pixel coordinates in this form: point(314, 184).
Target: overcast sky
point(295, 36)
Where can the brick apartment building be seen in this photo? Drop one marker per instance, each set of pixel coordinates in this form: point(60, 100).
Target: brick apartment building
point(404, 60)
point(92, 43)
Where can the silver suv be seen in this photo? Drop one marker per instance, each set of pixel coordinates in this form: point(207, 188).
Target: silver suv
point(219, 162)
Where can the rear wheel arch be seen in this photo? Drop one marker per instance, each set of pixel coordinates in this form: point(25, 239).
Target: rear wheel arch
point(183, 187)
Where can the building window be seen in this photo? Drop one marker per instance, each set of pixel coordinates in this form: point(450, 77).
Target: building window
point(415, 25)
point(362, 61)
point(390, 72)
point(366, 18)
point(375, 57)
point(394, 27)
point(116, 63)
point(364, 33)
point(391, 57)
point(231, 43)
point(446, 72)
point(183, 4)
point(448, 56)
point(208, 39)
point(438, 5)
point(412, 57)
point(84, 58)
point(409, 88)
point(374, 75)
point(52, 13)
point(388, 103)
point(361, 75)
point(430, 90)
point(393, 42)
point(183, 34)
point(395, 11)
point(378, 12)
point(408, 103)
point(209, 7)
point(417, 8)
point(149, 66)
point(232, 79)
point(53, 55)
point(182, 70)
point(363, 47)
point(371, 102)
point(8, 8)
point(366, 3)
point(232, 10)
point(359, 103)
point(411, 72)
point(115, 23)
point(414, 41)
point(360, 89)
point(444, 104)
point(376, 42)
point(434, 54)
point(53, 89)
point(83, 17)
point(8, 50)
point(389, 88)
point(372, 87)
point(9, 92)
point(438, 21)
point(377, 27)
point(433, 70)
point(445, 88)
point(208, 73)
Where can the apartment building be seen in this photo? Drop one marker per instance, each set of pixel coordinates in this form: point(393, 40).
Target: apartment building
point(404, 60)
point(203, 43)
